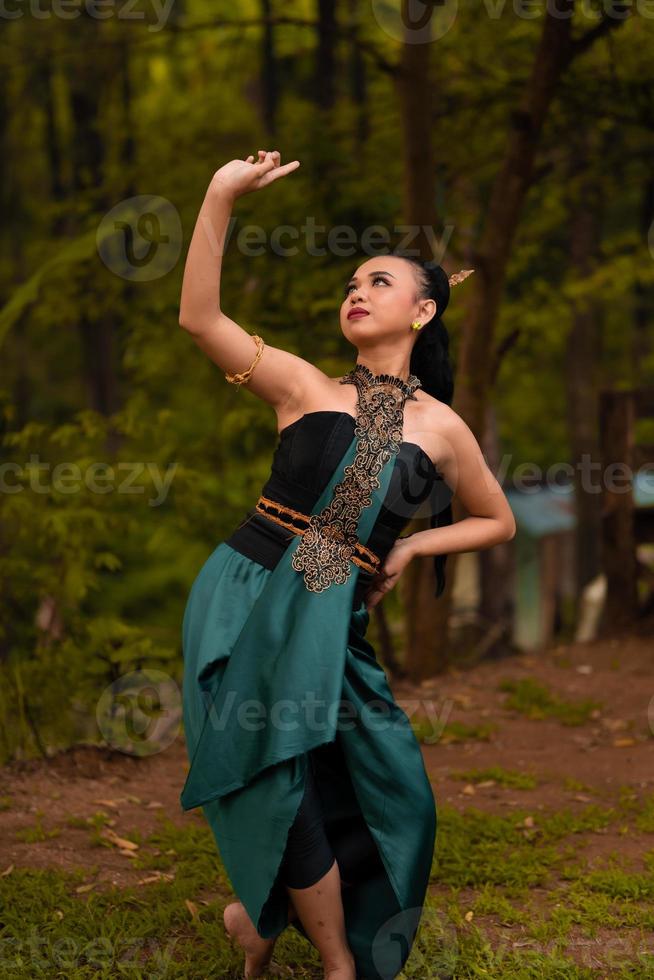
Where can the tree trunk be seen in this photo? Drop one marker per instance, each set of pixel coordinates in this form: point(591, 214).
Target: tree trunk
point(642, 343)
point(416, 92)
point(89, 79)
point(582, 366)
point(506, 202)
point(269, 83)
point(617, 421)
point(325, 60)
point(426, 618)
point(357, 74)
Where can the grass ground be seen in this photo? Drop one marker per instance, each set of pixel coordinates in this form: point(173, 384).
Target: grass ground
point(544, 861)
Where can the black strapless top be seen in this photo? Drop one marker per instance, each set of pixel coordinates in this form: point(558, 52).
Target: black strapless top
point(306, 456)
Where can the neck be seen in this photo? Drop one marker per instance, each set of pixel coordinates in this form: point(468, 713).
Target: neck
point(397, 366)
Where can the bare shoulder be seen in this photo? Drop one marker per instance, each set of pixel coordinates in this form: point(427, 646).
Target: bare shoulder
point(438, 425)
point(434, 410)
point(445, 416)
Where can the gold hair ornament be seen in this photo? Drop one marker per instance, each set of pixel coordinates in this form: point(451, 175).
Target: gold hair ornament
point(458, 277)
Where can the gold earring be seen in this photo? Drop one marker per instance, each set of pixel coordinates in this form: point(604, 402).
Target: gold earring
point(416, 324)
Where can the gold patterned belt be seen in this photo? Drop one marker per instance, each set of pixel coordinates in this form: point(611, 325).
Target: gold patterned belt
point(363, 557)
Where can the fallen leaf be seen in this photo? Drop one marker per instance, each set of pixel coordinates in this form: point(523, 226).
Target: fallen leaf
point(157, 876)
point(7, 871)
point(615, 724)
point(121, 842)
point(193, 909)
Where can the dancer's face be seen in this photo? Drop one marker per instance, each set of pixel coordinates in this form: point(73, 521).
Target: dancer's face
point(387, 288)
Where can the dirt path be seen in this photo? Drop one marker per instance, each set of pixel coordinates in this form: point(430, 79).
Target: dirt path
point(613, 750)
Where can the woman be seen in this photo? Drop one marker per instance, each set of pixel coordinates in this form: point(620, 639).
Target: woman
point(324, 822)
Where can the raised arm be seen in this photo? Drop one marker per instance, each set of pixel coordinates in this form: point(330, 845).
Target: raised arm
point(278, 375)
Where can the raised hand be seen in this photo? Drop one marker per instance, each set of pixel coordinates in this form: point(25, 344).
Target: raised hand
point(240, 177)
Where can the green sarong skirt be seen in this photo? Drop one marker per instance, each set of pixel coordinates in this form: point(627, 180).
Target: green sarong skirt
point(273, 670)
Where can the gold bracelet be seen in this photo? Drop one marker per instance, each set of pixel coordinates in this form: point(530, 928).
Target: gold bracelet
point(239, 379)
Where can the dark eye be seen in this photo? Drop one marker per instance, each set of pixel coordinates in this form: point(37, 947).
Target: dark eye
point(375, 278)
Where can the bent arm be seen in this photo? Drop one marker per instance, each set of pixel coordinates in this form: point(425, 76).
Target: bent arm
point(279, 376)
point(465, 471)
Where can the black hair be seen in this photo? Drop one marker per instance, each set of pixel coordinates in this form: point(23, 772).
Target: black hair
point(430, 362)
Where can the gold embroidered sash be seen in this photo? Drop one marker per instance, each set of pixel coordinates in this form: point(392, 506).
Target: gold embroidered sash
point(328, 544)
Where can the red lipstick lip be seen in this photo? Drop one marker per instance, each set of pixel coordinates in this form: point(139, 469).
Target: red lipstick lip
point(356, 313)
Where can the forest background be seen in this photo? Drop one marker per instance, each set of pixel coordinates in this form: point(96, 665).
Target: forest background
point(512, 138)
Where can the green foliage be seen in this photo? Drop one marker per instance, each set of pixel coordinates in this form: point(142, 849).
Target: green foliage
point(36, 833)
point(504, 777)
point(532, 699)
point(97, 371)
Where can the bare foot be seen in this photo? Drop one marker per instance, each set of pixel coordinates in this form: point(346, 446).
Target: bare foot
point(258, 951)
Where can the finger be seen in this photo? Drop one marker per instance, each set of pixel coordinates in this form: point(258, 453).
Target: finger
point(251, 157)
point(267, 163)
point(286, 169)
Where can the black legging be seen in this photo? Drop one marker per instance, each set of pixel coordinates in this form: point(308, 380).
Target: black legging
point(310, 853)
